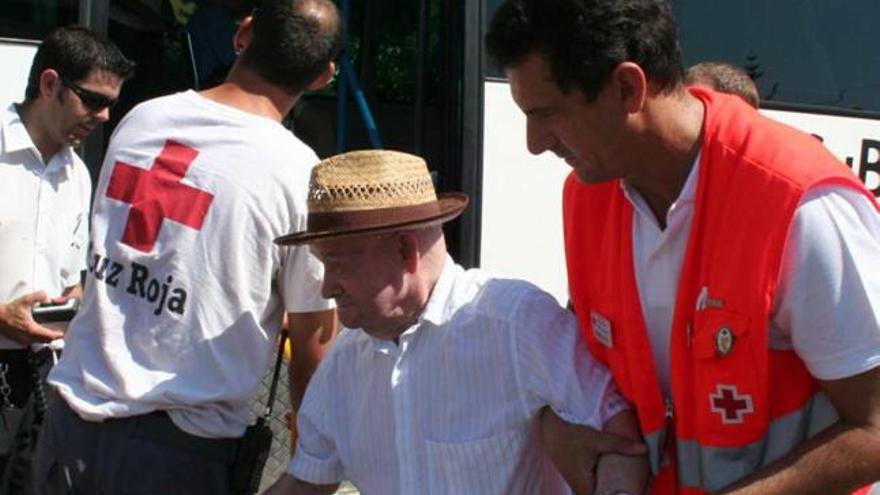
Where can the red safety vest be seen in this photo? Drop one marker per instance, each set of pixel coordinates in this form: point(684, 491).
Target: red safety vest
point(724, 423)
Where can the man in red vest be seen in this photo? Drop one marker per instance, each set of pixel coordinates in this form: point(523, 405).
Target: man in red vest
point(723, 265)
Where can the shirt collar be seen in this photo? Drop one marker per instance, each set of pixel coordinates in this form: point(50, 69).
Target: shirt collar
point(15, 135)
point(687, 195)
point(16, 138)
point(689, 191)
point(435, 311)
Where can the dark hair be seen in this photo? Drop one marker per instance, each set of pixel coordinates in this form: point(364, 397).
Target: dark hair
point(584, 40)
point(291, 45)
point(74, 52)
point(724, 77)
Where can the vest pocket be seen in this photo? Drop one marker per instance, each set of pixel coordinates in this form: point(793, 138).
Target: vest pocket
point(725, 380)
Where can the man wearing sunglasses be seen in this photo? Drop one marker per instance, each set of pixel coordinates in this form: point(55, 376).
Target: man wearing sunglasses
point(45, 191)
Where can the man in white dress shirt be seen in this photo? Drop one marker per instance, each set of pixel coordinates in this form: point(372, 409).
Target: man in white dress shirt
point(45, 190)
point(438, 381)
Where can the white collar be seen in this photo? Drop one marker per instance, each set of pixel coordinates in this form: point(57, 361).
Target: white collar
point(435, 312)
point(15, 136)
point(687, 194)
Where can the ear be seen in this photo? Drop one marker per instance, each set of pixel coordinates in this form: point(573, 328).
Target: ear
point(49, 83)
point(243, 35)
point(323, 79)
point(408, 245)
point(632, 84)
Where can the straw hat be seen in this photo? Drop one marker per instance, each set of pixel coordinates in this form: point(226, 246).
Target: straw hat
point(370, 192)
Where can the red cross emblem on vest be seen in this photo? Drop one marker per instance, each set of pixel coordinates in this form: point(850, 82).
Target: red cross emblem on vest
point(732, 406)
point(158, 194)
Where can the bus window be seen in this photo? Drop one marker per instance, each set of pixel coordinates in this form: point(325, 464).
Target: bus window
point(489, 67)
point(33, 19)
point(810, 52)
point(806, 52)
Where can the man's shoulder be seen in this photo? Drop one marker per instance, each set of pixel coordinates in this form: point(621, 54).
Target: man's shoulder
point(493, 296)
point(153, 114)
point(162, 103)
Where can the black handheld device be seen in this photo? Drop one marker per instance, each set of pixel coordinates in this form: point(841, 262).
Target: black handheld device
point(250, 459)
point(55, 310)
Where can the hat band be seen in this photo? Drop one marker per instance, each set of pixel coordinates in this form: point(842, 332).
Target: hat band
point(358, 219)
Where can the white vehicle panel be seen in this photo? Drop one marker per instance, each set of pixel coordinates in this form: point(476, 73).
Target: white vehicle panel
point(16, 59)
point(853, 140)
point(522, 199)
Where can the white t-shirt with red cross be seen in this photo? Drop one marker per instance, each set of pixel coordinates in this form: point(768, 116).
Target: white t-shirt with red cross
point(185, 289)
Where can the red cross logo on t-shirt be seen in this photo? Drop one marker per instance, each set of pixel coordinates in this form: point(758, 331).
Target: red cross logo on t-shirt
point(157, 194)
point(727, 402)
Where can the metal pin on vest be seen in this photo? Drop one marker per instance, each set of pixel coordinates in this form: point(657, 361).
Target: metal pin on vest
point(724, 340)
point(705, 301)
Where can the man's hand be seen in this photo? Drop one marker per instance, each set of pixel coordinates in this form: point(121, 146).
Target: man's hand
point(288, 485)
point(574, 449)
point(617, 473)
point(17, 323)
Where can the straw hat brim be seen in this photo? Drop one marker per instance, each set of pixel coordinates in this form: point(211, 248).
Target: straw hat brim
point(449, 206)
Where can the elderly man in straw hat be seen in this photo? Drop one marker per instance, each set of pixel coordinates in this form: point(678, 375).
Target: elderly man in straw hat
point(438, 381)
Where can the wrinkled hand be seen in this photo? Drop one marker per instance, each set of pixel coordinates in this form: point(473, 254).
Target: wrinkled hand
point(17, 323)
point(574, 449)
point(288, 485)
point(285, 485)
point(617, 473)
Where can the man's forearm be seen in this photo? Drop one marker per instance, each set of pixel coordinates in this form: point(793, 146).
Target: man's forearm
point(310, 336)
point(839, 460)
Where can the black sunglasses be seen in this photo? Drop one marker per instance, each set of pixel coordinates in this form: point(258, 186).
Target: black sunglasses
point(94, 101)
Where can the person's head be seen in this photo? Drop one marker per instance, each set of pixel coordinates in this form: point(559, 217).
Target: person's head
point(375, 222)
point(74, 82)
point(378, 281)
point(291, 43)
point(583, 71)
point(724, 77)
point(584, 41)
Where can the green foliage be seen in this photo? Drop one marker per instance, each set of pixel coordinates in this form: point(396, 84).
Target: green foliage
point(393, 45)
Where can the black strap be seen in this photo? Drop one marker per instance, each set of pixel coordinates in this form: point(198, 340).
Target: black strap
point(275, 374)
